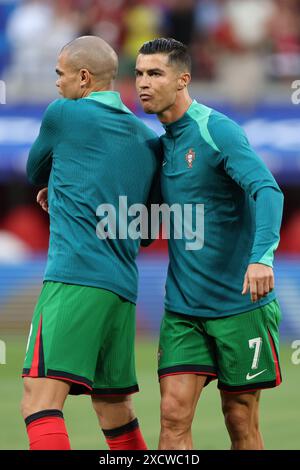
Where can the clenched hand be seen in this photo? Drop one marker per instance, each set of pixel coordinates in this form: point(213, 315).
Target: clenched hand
point(42, 199)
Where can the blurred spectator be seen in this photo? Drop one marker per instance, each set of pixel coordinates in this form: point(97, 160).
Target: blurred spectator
point(180, 20)
point(102, 18)
point(248, 21)
point(209, 16)
point(285, 39)
point(242, 70)
point(36, 30)
point(141, 23)
point(209, 19)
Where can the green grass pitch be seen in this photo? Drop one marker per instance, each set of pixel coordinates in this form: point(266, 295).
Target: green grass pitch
point(280, 411)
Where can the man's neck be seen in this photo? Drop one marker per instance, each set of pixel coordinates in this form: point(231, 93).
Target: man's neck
point(177, 110)
point(96, 88)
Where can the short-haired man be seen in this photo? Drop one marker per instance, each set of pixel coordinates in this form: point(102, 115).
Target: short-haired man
point(210, 330)
point(91, 149)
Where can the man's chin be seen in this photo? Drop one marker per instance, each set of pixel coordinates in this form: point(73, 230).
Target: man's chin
point(148, 110)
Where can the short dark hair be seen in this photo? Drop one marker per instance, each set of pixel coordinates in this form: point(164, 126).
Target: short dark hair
point(176, 50)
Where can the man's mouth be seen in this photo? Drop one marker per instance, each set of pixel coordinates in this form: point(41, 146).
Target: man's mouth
point(145, 97)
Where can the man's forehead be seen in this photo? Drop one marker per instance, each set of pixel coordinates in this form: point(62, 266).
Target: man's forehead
point(152, 61)
point(62, 58)
point(63, 63)
point(65, 59)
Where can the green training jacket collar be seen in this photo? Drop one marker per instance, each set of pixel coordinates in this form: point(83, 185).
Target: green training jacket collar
point(109, 98)
point(199, 109)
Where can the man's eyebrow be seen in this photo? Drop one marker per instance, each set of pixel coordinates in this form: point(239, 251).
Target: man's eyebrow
point(151, 70)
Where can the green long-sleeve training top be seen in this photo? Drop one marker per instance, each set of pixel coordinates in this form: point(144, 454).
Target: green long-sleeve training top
point(89, 152)
point(208, 160)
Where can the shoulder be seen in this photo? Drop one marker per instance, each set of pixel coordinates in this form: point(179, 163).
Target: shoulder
point(224, 131)
point(215, 128)
point(145, 130)
point(56, 105)
point(54, 109)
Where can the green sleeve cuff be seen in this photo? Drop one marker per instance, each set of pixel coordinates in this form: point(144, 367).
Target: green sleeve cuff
point(268, 257)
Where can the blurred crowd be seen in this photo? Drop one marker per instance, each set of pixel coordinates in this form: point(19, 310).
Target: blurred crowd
point(226, 37)
point(238, 44)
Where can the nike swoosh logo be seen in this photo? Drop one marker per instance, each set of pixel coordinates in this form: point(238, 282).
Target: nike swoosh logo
point(164, 162)
point(250, 377)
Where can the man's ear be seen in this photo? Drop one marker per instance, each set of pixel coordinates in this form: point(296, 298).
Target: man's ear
point(184, 80)
point(84, 77)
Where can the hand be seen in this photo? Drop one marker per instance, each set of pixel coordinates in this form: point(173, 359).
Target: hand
point(42, 199)
point(260, 279)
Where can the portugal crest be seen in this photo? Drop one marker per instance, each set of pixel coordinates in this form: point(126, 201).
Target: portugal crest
point(190, 157)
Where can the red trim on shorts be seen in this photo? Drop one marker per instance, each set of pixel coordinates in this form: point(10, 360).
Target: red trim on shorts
point(183, 373)
point(114, 392)
point(66, 379)
point(34, 369)
point(111, 395)
point(275, 358)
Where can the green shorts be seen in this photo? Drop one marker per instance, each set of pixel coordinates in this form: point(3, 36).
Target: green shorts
point(241, 351)
point(85, 336)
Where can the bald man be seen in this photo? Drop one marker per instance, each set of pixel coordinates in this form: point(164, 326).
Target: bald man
point(90, 150)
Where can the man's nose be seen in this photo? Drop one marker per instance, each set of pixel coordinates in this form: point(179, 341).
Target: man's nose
point(144, 82)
